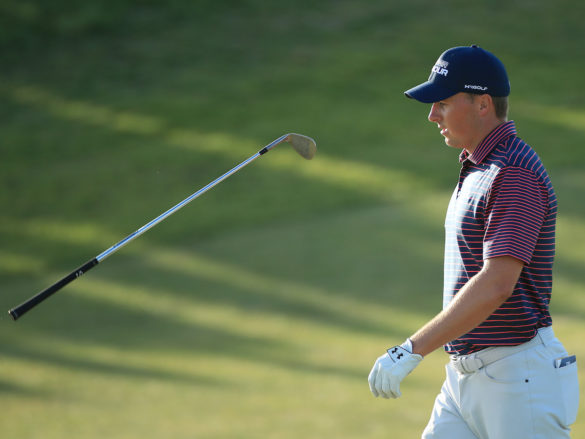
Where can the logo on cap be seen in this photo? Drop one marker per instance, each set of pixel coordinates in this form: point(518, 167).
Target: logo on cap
point(440, 67)
point(476, 87)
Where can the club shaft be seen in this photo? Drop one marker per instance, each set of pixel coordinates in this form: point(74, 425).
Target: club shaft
point(21, 309)
point(172, 210)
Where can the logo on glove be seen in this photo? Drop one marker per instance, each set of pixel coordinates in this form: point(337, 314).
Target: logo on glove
point(397, 352)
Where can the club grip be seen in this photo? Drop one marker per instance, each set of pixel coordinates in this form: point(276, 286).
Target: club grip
point(21, 309)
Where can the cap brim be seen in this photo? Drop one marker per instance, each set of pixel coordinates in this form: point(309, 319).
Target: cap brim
point(429, 92)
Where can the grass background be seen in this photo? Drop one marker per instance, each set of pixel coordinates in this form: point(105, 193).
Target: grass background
point(257, 311)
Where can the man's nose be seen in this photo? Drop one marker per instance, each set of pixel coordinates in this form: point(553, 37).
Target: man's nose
point(434, 115)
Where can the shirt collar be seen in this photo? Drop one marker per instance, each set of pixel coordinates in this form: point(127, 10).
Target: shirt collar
point(500, 133)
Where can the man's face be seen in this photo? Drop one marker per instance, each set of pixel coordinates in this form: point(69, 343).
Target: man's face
point(457, 117)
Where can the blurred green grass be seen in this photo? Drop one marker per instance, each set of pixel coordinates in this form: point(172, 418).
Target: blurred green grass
point(258, 310)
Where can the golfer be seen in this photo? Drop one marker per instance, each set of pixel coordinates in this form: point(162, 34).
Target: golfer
point(508, 376)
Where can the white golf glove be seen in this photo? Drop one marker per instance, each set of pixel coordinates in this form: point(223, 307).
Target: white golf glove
point(391, 368)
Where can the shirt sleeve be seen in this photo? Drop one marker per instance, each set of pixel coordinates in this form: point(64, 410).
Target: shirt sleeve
point(515, 212)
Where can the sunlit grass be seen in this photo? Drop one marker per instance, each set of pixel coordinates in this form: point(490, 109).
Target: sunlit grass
point(12, 263)
point(563, 117)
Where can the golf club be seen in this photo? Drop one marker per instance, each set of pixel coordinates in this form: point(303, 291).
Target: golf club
point(304, 145)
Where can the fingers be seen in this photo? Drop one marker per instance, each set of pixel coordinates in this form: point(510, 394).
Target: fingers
point(372, 380)
point(381, 384)
point(389, 387)
point(395, 390)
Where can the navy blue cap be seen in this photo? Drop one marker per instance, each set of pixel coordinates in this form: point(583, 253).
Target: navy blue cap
point(463, 69)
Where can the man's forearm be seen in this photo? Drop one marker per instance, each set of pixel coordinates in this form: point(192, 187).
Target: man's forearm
point(473, 304)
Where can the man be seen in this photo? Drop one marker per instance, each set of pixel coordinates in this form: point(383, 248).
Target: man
point(508, 376)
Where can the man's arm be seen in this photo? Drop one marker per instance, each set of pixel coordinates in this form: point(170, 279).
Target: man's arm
point(473, 304)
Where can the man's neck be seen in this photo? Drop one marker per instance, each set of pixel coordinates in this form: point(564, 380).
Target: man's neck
point(482, 134)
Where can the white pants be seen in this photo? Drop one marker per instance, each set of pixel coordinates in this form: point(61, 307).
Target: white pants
point(522, 395)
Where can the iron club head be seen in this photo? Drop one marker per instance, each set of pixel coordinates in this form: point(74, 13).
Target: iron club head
point(304, 145)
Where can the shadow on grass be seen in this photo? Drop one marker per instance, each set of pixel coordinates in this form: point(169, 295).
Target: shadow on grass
point(126, 329)
point(38, 356)
point(22, 391)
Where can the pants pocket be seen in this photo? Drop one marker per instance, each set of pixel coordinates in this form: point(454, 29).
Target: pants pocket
point(513, 369)
point(568, 382)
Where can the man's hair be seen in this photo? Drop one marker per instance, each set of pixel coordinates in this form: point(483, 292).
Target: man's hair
point(500, 106)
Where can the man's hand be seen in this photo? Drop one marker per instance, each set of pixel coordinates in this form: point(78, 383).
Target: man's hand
point(390, 369)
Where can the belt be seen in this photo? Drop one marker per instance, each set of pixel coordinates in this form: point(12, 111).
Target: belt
point(466, 364)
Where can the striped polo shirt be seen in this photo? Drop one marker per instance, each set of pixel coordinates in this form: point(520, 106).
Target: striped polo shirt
point(504, 205)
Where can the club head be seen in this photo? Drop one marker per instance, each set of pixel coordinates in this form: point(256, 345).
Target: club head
point(304, 145)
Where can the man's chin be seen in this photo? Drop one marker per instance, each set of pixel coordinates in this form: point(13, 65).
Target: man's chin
point(452, 144)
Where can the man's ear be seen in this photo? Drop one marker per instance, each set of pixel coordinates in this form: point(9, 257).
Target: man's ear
point(485, 102)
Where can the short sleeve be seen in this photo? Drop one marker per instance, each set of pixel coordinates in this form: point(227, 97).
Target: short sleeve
point(515, 212)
